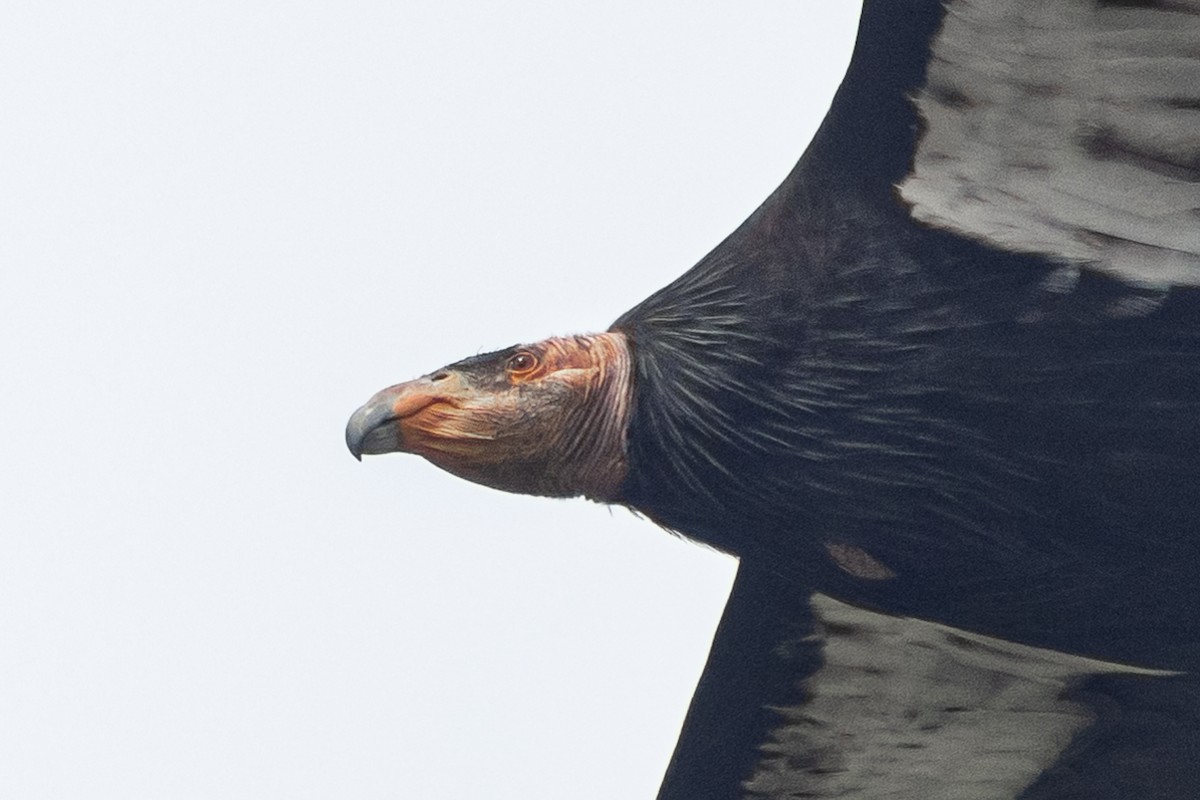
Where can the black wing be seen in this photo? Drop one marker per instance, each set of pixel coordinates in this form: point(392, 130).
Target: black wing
point(810, 698)
point(1068, 130)
point(1061, 138)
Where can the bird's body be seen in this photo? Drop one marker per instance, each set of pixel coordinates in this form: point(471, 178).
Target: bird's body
point(971, 420)
point(949, 371)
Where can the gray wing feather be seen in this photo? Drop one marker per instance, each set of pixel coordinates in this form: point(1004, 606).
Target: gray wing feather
point(903, 708)
point(1067, 129)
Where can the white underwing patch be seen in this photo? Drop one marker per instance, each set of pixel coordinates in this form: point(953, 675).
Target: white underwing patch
point(1069, 129)
point(913, 710)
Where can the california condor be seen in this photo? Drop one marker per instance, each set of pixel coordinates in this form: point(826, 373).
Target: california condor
point(940, 395)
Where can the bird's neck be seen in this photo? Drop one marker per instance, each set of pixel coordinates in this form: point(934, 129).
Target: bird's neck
point(701, 368)
point(592, 453)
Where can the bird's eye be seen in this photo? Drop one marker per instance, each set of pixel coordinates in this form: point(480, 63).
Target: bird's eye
point(521, 363)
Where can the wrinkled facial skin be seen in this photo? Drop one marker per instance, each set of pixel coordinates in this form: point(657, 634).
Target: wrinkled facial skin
point(526, 419)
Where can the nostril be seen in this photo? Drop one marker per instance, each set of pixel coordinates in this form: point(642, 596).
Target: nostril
point(441, 376)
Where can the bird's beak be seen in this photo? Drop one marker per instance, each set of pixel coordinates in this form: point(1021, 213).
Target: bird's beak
point(376, 427)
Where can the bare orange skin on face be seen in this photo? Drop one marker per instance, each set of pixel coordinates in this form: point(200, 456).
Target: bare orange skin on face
point(444, 427)
point(447, 416)
point(410, 404)
point(547, 418)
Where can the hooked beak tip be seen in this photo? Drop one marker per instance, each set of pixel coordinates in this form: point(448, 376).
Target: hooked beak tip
point(375, 428)
point(360, 426)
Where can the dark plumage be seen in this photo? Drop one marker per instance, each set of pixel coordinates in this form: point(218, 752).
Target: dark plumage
point(929, 394)
point(948, 409)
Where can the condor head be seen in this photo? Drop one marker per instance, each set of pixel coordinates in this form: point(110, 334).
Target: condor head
point(548, 418)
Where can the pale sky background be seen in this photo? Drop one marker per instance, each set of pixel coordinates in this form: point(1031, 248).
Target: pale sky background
point(223, 226)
